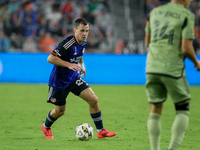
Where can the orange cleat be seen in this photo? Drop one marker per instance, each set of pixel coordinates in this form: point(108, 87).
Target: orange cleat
point(105, 133)
point(47, 132)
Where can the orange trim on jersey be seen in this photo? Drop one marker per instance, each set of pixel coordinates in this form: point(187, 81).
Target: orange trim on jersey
point(54, 54)
point(75, 39)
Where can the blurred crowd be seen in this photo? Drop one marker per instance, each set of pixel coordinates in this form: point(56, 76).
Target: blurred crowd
point(194, 7)
point(39, 25)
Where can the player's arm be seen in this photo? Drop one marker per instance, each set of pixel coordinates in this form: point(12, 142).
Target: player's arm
point(188, 51)
point(147, 33)
point(81, 63)
point(59, 62)
point(147, 38)
point(187, 40)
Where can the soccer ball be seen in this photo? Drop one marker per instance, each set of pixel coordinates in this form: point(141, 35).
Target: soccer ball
point(84, 132)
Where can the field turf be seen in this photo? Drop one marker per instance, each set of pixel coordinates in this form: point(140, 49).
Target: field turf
point(125, 110)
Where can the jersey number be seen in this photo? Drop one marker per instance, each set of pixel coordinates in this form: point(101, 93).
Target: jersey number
point(162, 34)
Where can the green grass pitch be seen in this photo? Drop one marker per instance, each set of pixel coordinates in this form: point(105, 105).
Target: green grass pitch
point(125, 110)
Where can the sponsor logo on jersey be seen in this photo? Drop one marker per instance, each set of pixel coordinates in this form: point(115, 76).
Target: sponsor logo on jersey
point(76, 59)
point(57, 52)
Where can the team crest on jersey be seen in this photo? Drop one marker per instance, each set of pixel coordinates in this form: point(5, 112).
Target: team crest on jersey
point(75, 53)
point(53, 100)
point(83, 50)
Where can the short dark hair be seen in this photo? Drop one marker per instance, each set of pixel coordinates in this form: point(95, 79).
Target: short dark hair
point(80, 21)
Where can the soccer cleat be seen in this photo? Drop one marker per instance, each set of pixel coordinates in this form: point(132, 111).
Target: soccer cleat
point(105, 133)
point(47, 132)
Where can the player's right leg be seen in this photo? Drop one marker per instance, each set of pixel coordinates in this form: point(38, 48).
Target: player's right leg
point(180, 94)
point(179, 125)
point(58, 99)
point(47, 132)
point(52, 116)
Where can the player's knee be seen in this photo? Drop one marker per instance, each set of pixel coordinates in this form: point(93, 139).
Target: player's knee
point(61, 112)
point(94, 100)
point(184, 106)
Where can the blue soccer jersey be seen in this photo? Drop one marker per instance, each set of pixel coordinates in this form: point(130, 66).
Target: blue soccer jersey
point(68, 50)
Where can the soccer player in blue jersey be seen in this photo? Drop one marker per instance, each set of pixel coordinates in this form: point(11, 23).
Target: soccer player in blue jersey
point(67, 59)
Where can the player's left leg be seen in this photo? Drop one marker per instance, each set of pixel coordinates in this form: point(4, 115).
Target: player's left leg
point(89, 96)
point(80, 88)
point(157, 94)
point(154, 125)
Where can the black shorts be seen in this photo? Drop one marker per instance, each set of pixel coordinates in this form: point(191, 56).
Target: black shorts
point(58, 97)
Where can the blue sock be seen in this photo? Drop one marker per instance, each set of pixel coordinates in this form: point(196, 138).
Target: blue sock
point(49, 121)
point(97, 121)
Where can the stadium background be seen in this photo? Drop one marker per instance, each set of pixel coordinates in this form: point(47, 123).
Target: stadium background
point(116, 54)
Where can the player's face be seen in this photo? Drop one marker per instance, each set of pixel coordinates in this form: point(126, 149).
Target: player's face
point(81, 33)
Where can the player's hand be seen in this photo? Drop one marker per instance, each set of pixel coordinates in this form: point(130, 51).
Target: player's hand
point(197, 66)
point(74, 67)
point(82, 72)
